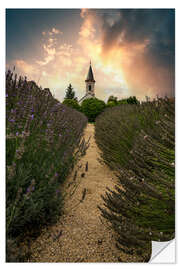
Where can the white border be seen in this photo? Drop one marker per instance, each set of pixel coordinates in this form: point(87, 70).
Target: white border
point(90, 4)
point(76, 4)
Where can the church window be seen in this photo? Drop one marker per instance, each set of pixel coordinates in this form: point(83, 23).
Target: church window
point(89, 87)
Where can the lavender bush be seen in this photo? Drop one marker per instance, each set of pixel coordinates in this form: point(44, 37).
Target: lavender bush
point(137, 142)
point(41, 138)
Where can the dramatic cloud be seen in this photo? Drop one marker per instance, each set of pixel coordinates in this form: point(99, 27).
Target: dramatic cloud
point(138, 45)
point(53, 31)
point(49, 51)
point(146, 39)
point(155, 27)
point(25, 67)
point(132, 53)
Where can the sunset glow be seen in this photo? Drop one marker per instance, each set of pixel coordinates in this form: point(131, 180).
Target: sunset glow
point(131, 51)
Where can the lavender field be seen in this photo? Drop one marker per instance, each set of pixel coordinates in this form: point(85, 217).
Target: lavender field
point(43, 142)
point(140, 148)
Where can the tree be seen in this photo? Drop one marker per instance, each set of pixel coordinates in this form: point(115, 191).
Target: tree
point(112, 98)
point(112, 101)
point(70, 94)
point(73, 103)
point(132, 100)
point(111, 104)
point(92, 107)
point(122, 101)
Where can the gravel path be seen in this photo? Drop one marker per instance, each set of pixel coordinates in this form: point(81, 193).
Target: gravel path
point(80, 236)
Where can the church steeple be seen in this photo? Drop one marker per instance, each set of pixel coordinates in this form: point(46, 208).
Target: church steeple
point(90, 82)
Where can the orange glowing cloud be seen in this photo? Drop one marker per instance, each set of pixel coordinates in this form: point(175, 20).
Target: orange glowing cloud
point(123, 64)
point(24, 66)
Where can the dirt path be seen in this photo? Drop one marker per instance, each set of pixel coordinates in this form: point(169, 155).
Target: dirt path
point(80, 236)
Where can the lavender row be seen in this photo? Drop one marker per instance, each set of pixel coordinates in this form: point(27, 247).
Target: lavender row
point(138, 143)
point(41, 137)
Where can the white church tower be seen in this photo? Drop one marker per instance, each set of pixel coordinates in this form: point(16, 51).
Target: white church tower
point(90, 83)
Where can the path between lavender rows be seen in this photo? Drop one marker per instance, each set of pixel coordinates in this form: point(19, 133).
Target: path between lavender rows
point(80, 235)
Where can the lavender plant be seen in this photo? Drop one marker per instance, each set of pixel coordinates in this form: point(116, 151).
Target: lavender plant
point(140, 147)
point(41, 138)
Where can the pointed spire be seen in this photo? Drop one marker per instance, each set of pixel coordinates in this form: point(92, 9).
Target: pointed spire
point(90, 76)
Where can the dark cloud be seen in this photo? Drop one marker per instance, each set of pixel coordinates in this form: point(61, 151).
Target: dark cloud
point(151, 67)
point(157, 26)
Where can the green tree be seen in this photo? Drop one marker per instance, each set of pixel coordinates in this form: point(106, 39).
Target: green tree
point(92, 107)
point(112, 98)
point(132, 100)
point(112, 101)
point(111, 104)
point(122, 101)
point(70, 94)
point(73, 103)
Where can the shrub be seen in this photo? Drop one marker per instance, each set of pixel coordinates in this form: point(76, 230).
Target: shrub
point(92, 107)
point(42, 135)
point(138, 143)
point(132, 100)
point(128, 120)
point(112, 98)
point(122, 101)
point(111, 103)
point(73, 103)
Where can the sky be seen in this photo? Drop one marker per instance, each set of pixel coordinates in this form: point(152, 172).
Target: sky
point(132, 51)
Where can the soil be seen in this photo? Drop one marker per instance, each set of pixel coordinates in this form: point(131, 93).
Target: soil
point(81, 234)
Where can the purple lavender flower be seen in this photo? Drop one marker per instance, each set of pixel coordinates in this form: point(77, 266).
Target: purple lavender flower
point(6, 95)
point(28, 190)
point(17, 133)
point(32, 116)
point(56, 174)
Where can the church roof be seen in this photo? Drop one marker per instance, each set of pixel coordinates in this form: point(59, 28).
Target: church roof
point(90, 76)
point(85, 97)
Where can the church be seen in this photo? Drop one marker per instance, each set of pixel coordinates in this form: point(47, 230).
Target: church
point(90, 83)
